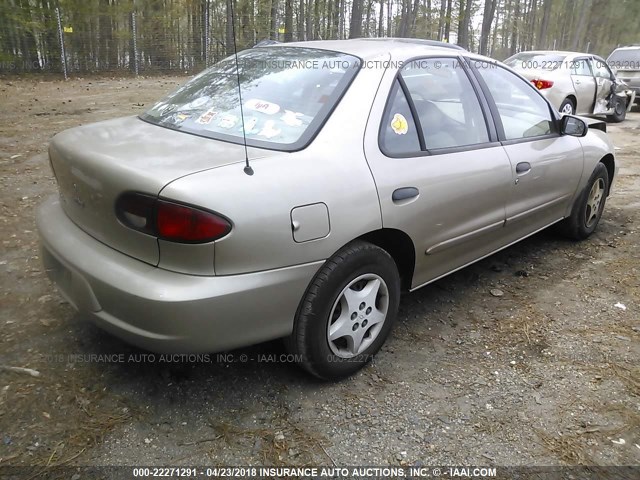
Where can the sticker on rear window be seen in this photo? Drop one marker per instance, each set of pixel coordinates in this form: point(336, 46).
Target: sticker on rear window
point(262, 106)
point(399, 124)
point(268, 130)
point(228, 121)
point(250, 125)
point(291, 118)
point(197, 103)
point(206, 117)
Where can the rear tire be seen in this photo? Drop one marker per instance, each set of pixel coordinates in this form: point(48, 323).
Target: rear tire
point(567, 107)
point(619, 111)
point(347, 312)
point(588, 207)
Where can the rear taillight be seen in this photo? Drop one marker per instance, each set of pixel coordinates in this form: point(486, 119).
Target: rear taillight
point(170, 221)
point(542, 84)
point(137, 211)
point(180, 223)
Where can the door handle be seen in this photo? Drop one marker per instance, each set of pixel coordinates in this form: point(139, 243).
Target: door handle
point(523, 167)
point(404, 193)
point(577, 82)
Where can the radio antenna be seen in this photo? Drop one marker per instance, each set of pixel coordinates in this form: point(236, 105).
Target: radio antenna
point(247, 168)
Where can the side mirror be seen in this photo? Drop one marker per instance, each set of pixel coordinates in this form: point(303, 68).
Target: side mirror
point(573, 126)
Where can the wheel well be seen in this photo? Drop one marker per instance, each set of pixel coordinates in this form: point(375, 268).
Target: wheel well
point(573, 100)
point(608, 162)
point(400, 247)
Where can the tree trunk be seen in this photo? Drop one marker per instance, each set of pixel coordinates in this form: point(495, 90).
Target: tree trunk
point(447, 21)
point(273, 27)
point(585, 9)
point(542, 41)
point(316, 20)
point(464, 23)
point(461, 13)
point(301, 21)
point(487, 20)
point(288, 20)
point(443, 6)
point(355, 28)
point(515, 19)
point(309, 35)
point(230, 40)
point(367, 21)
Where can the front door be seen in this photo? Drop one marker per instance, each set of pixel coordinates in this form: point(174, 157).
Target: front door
point(546, 167)
point(604, 81)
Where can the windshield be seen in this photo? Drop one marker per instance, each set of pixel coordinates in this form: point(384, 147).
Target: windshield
point(625, 59)
point(287, 92)
point(535, 61)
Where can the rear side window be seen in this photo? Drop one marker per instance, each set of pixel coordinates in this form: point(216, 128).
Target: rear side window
point(448, 109)
point(432, 106)
point(522, 110)
point(398, 132)
point(580, 67)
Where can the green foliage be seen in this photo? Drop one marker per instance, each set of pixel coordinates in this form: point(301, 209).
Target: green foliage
point(187, 35)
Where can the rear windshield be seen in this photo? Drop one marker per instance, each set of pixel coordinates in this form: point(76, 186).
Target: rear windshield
point(625, 59)
point(287, 93)
point(535, 61)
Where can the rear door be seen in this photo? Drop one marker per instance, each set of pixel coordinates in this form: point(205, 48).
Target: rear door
point(584, 84)
point(545, 167)
point(441, 175)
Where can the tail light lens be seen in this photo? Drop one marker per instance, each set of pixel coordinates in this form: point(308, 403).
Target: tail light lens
point(170, 221)
point(180, 223)
point(542, 84)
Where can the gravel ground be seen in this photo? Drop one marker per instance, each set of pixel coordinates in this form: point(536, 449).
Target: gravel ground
point(545, 374)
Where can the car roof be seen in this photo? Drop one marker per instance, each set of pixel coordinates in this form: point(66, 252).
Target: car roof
point(373, 47)
point(555, 52)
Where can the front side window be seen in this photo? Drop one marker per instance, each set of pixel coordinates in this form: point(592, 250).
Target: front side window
point(445, 102)
point(287, 93)
point(522, 111)
point(601, 69)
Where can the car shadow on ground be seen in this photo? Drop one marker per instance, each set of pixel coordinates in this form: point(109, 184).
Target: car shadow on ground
point(146, 373)
point(258, 391)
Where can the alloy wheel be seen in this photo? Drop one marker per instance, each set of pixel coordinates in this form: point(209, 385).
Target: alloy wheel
point(593, 202)
point(358, 315)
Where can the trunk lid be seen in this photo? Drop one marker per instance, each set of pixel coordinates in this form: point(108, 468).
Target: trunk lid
point(94, 164)
point(531, 74)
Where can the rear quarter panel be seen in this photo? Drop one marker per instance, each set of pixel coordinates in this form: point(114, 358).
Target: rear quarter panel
point(562, 88)
point(331, 170)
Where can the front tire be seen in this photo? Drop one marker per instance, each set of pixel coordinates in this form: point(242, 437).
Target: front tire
point(347, 312)
point(619, 111)
point(588, 207)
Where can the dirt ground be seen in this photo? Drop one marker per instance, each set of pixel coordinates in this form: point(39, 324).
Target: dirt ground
point(546, 374)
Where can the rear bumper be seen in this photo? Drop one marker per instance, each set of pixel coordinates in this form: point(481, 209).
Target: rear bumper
point(165, 311)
